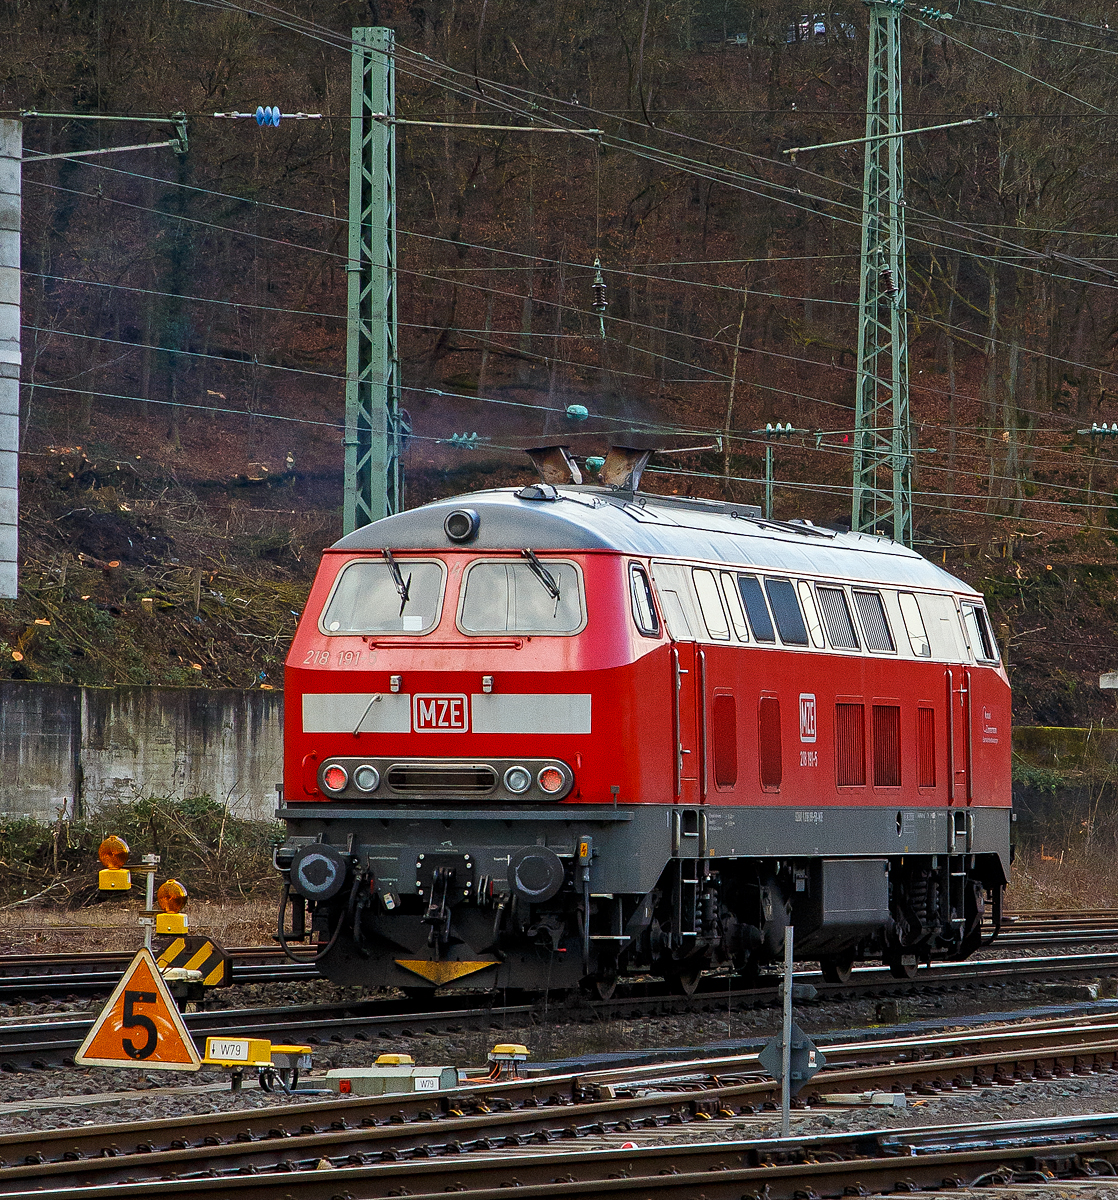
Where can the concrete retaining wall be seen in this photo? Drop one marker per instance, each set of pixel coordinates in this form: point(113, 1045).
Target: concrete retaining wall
point(79, 747)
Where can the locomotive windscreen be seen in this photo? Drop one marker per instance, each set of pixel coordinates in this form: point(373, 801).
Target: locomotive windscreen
point(508, 597)
point(372, 598)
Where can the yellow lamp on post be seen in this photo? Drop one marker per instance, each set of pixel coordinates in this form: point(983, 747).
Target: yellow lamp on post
point(113, 853)
point(171, 898)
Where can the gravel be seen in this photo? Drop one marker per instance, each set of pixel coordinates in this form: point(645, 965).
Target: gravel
point(558, 1033)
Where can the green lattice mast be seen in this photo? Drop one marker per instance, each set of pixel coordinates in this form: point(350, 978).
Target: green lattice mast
point(882, 432)
point(373, 470)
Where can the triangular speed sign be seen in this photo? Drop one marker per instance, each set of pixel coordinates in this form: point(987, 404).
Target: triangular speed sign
point(140, 1026)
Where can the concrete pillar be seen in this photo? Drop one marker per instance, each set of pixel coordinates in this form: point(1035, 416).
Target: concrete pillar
point(11, 153)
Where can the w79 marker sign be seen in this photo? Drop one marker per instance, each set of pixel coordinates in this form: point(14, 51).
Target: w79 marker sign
point(140, 1026)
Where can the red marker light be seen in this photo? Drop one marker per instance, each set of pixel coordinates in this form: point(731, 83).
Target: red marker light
point(335, 778)
point(551, 779)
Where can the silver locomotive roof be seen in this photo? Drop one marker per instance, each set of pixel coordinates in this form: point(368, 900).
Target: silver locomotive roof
point(578, 518)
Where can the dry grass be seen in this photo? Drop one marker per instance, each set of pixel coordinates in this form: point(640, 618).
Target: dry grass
point(1071, 880)
point(113, 925)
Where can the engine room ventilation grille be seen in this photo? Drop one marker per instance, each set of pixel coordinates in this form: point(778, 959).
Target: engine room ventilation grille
point(462, 779)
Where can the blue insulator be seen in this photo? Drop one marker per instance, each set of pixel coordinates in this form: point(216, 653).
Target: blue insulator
point(595, 463)
point(260, 115)
point(275, 115)
point(577, 412)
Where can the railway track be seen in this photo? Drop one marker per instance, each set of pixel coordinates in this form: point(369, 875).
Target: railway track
point(52, 975)
point(370, 1146)
point(1054, 928)
point(38, 1045)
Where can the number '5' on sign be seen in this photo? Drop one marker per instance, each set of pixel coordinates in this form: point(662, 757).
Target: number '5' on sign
point(140, 1026)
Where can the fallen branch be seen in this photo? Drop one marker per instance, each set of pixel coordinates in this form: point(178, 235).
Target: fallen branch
point(30, 899)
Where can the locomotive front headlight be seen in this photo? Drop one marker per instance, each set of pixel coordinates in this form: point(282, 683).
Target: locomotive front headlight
point(334, 778)
point(518, 780)
point(367, 778)
point(551, 780)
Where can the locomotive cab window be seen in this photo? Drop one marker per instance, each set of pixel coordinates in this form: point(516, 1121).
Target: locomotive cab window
point(836, 612)
point(710, 602)
point(732, 597)
point(644, 610)
point(528, 595)
point(754, 600)
point(981, 639)
point(677, 600)
point(388, 595)
point(914, 624)
point(811, 613)
point(871, 609)
point(786, 610)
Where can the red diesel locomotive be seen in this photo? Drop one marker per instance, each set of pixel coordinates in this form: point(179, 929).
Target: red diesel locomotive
point(561, 734)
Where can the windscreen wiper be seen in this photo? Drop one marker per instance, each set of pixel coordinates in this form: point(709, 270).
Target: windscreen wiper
point(544, 576)
point(403, 588)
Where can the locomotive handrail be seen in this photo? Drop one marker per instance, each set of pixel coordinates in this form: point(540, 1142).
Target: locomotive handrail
point(968, 734)
point(950, 735)
point(677, 731)
point(702, 698)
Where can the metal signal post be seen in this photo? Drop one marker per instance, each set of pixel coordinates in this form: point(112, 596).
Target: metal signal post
point(882, 425)
point(373, 468)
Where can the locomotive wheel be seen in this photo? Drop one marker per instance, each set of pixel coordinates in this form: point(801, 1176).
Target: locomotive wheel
point(684, 981)
point(902, 970)
point(836, 968)
point(605, 988)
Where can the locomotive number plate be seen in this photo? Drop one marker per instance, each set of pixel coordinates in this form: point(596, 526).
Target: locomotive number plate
point(439, 714)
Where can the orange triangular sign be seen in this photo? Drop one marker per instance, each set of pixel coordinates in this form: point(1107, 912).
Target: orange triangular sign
point(140, 1026)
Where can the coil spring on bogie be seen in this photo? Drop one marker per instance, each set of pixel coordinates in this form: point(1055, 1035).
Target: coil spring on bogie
point(918, 897)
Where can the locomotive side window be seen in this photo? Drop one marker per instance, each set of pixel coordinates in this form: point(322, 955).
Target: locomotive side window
point(874, 622)
point(754, 600)
point(403, 595)
point(771, 759)
point(511, 597)
point(814, 625)
point(886, 745)
point(711, 604)
point(786, 610)
point(978, 633)
point(836, 613)
point(644, 611)
point(850, 745)
point(914, 624)
point(733, 606)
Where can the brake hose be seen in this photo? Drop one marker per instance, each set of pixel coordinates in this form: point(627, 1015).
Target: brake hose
point(283, 940)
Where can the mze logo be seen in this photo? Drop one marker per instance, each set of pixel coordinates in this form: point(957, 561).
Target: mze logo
point(439, 714)
point(807, 717)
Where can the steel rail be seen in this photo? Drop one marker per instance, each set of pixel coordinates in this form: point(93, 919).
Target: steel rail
point(781, 1168)
point(545, 1109)
point(53, 1043)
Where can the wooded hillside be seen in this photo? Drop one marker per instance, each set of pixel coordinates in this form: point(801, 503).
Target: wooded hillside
point(184, 341)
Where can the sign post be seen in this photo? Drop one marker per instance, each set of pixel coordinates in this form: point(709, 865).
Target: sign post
point(786, 1040)
point(791, 1057)
point(140, 1026)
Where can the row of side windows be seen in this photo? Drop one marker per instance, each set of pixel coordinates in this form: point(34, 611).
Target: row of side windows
point(702, 603)
point(850, 744)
